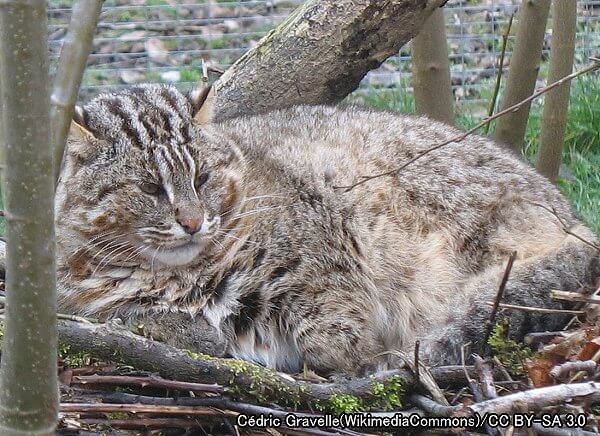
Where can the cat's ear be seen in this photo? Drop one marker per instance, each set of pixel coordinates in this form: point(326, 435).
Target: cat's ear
point(81, 142)
point(203, 104)
point(77, 130)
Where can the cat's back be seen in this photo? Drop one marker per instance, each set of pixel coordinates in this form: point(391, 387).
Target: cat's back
point(463, 184)
point(347, 142)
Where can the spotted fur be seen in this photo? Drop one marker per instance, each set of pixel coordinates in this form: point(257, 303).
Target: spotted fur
point(287, 269)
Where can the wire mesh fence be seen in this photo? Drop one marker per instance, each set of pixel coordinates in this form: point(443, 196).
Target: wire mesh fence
point(166, 41)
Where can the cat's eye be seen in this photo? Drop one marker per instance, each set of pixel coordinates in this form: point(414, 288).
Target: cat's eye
point(151, 188)
point(200, 180)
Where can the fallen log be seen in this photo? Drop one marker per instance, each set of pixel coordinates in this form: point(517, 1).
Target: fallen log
point(240, 379)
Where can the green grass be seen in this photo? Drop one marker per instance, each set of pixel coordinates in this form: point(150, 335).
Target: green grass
point(580, 172)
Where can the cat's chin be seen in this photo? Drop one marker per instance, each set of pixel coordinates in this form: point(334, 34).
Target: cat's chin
point(178, 256)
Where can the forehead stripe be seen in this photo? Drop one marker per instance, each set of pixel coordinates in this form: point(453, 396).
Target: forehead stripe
point(115, 107)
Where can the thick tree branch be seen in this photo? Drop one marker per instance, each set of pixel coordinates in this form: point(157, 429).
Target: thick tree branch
point(319, 54)
point(69, 72)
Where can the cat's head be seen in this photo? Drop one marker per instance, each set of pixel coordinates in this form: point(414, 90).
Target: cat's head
point(145, 177)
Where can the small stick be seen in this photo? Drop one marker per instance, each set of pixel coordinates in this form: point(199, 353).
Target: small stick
point(146, 382)
point(431, 407)
point(73, 318)
point(577, 376)
point(143, 408)
point(503, 370)
point(486, 378)
point(536, 399)
point(499, 295)
point(564, 225)
point(501, 67)
point(474, 387)
point(141, 423)
point(537, 338)
point(573, 296)
point(426, 378)
point(560, 370)
point(537, 309)
point(417, 345)
point(458, 138)
point(204, 72)
point(213, 402)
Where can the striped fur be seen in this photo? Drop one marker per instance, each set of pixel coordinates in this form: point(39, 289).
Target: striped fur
point(286, 269)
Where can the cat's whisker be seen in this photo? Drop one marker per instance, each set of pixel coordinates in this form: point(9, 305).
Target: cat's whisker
point(158, 247)
point(263, 196)
point(135, 253)
point(265, 209)
point(108, 246)
point(217, 242)
point(114, 253)
point(96, 241)
point(227, 235)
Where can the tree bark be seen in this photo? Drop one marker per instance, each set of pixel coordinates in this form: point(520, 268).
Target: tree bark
point(28, 384)
point(523, 71)
point(69, 72)
point(556, 105)
point(319, 54)
point(431, 70)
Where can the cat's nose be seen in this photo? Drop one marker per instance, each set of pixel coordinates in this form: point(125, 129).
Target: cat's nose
point(190, 225)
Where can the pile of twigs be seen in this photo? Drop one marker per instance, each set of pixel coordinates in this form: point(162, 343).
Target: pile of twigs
point(158, 389)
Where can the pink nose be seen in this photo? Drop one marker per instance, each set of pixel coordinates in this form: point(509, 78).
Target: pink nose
point(191, 225)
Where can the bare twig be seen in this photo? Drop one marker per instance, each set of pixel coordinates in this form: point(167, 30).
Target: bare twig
point(69, 73)
point(431, 407)
point(499, 295)
point(474, 387)
point(560, 370)
point(537, 309)
point(143, 408)
point(151, 381)
point(425, 378)
point(500, 68)
point(458, 138)
point(141, 423)
point(573, 296)
point(417, 346)
point(486, 378)
point(536, 338)
point(578, 375)
point(564, 226)
point(73, 318)
point(536, 399)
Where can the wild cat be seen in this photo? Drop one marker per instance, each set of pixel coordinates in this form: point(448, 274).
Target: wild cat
point(163, 214)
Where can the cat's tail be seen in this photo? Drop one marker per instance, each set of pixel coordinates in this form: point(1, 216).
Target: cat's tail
point(574, 263)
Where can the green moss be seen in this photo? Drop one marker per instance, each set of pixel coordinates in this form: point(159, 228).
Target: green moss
point(510, 353)
point(342, 403)
point(264, 383)
point(388, 395)
point(73, 359)
point(117, 415)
